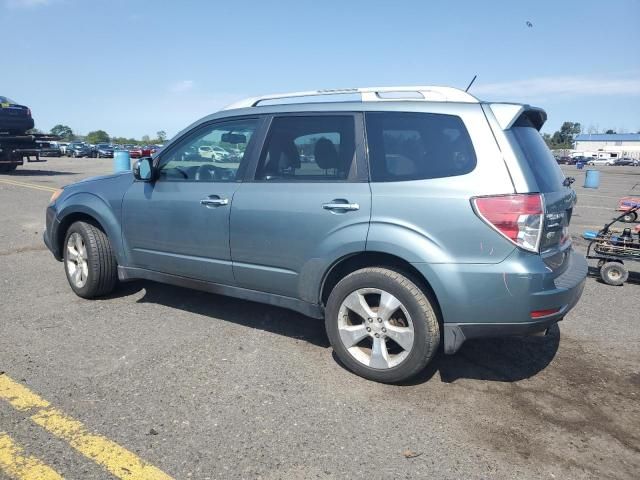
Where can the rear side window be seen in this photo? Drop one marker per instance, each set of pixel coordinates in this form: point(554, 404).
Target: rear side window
point(417, 146)
point(529, 145)
point(308, 148)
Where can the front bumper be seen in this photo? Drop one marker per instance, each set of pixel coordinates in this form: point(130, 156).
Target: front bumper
point(50, 233)
point(489, 300)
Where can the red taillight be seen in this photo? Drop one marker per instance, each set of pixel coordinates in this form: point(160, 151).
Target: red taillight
point(544, 313)
point(518, 217)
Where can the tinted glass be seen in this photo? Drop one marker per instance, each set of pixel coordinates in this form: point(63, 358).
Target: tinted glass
point(213, 154)
point(308, 149)
point(416, 146)
point(529, 145)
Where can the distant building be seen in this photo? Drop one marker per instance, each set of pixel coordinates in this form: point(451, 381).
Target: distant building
point(605, 145)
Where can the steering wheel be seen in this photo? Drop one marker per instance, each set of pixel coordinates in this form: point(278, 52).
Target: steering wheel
point(182, 172)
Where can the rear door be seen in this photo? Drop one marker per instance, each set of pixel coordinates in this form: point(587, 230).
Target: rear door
point(308, 203)
point(559, 197)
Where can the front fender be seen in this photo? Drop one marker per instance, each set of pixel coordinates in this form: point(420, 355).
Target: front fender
point(97, 208)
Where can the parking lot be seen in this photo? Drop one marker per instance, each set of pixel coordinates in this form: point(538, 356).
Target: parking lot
point(161, 382)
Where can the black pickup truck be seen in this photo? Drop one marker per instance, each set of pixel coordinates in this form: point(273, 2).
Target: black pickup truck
point(16, 144)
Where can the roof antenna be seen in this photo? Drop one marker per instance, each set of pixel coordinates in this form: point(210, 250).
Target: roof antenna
point(471, 83)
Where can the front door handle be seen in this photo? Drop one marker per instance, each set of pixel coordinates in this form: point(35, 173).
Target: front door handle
point(340, 205)
point(214, 201)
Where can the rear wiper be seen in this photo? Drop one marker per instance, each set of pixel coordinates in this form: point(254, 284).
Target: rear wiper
point(568, 181)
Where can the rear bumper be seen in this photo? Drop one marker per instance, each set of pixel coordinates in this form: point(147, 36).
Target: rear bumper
point(489, 300)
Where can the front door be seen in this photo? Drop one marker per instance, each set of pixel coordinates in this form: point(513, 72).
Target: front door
point(309, 201)
point(179, 224)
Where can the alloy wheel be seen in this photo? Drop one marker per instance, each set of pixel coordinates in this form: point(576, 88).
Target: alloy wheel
point(76, 260)
point(375, 328)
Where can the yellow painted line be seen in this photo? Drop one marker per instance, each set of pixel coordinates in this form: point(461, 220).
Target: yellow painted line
point(27, 185)
point(116, 459)
point(15, 464)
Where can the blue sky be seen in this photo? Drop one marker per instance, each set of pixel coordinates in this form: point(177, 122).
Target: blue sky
point(133, 67)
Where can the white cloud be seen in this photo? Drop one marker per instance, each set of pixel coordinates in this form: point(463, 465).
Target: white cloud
point(26, 3)
point(567, 86)
point(182, 86)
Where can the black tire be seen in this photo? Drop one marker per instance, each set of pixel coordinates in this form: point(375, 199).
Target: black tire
point(614, 273)
point(102, 275)
point(8, 167)
point(630, 217)
point(419, 306)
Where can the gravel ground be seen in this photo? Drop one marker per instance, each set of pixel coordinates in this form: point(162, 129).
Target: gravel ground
point(203, 386)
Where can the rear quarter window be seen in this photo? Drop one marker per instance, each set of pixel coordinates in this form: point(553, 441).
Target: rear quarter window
point(530, 147)
point(417, 146)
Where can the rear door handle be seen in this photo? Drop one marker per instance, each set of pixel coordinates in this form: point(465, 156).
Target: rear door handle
point(336, 205)
point(214, 201)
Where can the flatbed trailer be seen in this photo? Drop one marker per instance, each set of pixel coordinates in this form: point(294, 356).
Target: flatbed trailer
point(14, 149)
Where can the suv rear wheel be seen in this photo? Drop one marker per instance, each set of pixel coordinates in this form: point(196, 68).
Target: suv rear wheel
point(381, 325)
point(89, 261)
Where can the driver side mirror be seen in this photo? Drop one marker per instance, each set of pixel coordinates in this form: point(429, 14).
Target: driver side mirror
point(143, 169)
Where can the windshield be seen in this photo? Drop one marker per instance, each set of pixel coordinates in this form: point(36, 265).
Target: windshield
point(6, 100)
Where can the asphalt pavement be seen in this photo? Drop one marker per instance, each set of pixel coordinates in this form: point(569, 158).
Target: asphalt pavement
point(162, 382)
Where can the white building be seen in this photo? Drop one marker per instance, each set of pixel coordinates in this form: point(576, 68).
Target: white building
point(604, 145)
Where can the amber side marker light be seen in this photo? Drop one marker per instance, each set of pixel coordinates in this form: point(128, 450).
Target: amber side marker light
point(55, 195)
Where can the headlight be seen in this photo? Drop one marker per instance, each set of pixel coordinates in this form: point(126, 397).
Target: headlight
point(55, 195)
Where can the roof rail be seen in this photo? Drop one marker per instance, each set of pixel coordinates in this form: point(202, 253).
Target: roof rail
point(368, 94)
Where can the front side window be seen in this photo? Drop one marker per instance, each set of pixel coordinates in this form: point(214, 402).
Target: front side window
point(308, 148)
point(417, 146)
point(213, 154)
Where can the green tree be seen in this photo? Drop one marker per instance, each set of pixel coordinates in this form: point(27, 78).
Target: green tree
point(146, 139)
point(97, 136)
point(563, 138)
point(162, 136)
point(63, 131)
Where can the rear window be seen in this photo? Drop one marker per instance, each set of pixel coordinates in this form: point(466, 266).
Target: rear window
point(529, 145)
point(417, 146)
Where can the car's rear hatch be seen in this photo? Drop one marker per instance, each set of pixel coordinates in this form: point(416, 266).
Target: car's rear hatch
point(546, 178)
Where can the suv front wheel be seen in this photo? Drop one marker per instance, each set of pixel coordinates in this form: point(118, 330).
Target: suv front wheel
point(381, 325)
point(89, 261)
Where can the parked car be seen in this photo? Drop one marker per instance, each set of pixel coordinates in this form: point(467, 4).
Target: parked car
point(78, 149)
point(361, 236)
point(139, 152)
point(566, 160)
point(104, 150)
point(62, 146)
point(48, 149)
point(14, 118)
point(632, 162)
point(213, 152)
point(580, 159)
point(601, 161)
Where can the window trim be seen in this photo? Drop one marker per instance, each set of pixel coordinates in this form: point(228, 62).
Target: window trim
point(187, 136)
point(361, 173)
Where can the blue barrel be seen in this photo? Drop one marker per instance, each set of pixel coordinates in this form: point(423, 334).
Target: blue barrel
point(592, 179)
point(579, 165)
point(121, 161)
